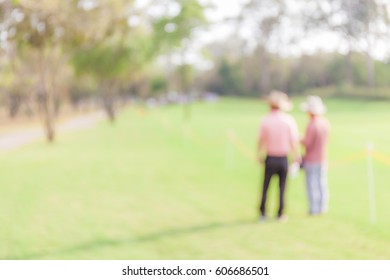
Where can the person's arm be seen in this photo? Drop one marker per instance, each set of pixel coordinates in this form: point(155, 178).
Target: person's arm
point(295, 141)
point(261, 144)
point(308, 141)
point(260, 148)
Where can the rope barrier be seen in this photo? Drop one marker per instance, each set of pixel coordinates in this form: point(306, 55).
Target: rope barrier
point(381, 158)
point(351, 158)
point(140, 111)
point(245, 151)
point(249, 154)
point(233, 141)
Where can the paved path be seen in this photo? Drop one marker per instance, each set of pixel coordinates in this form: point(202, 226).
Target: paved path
point(14, 140)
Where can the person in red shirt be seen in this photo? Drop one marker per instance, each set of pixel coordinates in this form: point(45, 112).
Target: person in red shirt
point(277, 138)
point(315, 143)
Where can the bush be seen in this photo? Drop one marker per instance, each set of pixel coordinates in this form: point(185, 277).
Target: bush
point(348, 91)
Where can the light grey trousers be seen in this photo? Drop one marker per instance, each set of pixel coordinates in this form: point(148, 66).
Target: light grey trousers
point(317, 187)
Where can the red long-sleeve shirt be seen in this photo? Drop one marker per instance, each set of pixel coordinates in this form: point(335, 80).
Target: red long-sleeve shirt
point(316, 140)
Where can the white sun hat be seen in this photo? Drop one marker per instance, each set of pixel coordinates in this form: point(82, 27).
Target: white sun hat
point(314, 105)
point(279, 100)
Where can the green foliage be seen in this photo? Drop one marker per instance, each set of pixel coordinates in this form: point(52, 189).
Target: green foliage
point(382, 74)
point(113, 59)
point(44, 24)
point(158, 85)
point(294, 75)
point(104, 61)
point(229, 80)
point(352, 92)
point(82, 89)
point(185, 75)
point(169, 31)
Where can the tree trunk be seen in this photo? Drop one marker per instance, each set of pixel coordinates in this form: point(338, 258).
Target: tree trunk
point(348, 67)
point(47, 103)
point(169, 73)
point(264, 72)
point(369, 60)
point(370, 70)
point(109, 107)
point(185, 91)
point(187, 111)
point(14, 103)
point(49, 118)
point(108, 102)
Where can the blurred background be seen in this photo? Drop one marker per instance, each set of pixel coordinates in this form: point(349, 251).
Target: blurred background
point(169, 172)
point(89, 54)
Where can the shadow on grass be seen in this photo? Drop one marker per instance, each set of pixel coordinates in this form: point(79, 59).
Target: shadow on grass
point(97, 244)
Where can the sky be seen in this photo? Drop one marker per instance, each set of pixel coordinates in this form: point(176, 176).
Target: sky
point(320, 41)
point(220, 30)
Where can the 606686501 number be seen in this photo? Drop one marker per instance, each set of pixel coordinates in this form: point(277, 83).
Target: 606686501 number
point(242, 271)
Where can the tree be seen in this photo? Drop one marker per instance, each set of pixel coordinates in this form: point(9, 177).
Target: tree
point(231, 78)
point(112, 62)
point(357, 21)
point(42, 29)
point(263, 19)
point(174, 31)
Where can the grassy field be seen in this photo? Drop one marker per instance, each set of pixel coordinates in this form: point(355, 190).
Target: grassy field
point(152, 187)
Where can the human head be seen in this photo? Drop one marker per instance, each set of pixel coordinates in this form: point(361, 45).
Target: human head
point(313, 106)
point(279, 100)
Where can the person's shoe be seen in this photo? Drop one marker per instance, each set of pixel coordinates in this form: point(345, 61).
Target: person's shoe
point(315, 214)
point(283, 218)
point(262, 219)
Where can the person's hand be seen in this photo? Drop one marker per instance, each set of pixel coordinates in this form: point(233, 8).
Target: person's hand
point(298, 159)
point(260, 160)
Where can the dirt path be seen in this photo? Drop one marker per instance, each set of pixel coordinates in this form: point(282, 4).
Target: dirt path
point(13, 140)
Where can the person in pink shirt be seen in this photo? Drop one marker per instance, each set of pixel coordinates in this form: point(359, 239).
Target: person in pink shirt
point(278, 137)
point(315, 142)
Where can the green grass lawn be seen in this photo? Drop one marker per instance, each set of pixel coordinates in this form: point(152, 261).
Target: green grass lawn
point(143, 189)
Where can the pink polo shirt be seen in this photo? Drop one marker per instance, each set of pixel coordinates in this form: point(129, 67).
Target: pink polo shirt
point(316, 140)
point(279, 132)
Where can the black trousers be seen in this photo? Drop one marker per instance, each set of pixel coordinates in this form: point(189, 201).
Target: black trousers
point(274, 166)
